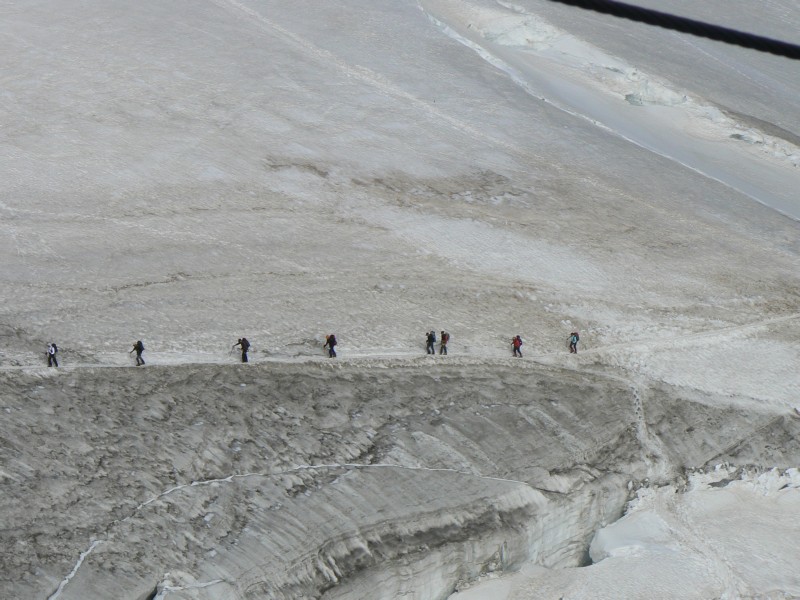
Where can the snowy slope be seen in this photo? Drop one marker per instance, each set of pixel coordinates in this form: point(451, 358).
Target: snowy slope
point(255, 172)
point(187, 173)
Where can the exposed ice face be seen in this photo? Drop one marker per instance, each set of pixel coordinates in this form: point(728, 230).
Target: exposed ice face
point(346, 478)
point(725, 533)
point(727, 529)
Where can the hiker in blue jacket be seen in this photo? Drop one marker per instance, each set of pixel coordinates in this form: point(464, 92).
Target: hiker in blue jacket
point(573, 342)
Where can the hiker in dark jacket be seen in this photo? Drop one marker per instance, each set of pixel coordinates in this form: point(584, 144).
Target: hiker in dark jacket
point(431, 339)
point(245, 345)
point(330, 343)
point(52, 350)
point(138, 347)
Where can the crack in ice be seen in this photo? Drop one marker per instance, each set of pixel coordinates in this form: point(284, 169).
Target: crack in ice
point(77, 566)
point(167, 588)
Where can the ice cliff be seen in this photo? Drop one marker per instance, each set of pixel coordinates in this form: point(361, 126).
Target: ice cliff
point(372, 479)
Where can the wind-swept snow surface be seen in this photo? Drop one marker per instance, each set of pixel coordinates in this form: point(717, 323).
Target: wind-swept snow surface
point(187, 173)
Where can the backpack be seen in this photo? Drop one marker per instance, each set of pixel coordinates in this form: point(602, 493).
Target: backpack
point(245, 344)
point(576, 336)
point(445, 338)
point(140, 346)
point(53, 349)
point(517, 342)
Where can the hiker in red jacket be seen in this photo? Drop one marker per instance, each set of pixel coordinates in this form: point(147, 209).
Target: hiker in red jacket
point(517, 344)
point(443, 339)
